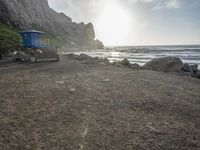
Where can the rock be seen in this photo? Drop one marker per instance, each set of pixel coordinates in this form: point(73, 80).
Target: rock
point(36, 14)
point(99, 44)
point(72, 90)
point(134, 66)
point(21, 56)
point(196, 75)
point(125, 62)
point(105, 80)
point(187, 68)
point(105, 61)
point(73, 56)
point(191, 68)
point(194, 68)
point(85, 57)
point(166, 64)
point(198, 71)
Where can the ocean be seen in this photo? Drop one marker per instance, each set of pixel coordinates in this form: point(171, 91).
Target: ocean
point(142, 54)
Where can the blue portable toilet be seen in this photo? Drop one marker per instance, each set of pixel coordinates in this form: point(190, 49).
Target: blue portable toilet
point(32, 39)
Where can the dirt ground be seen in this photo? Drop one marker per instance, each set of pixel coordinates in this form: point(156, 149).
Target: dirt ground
point(72, 106)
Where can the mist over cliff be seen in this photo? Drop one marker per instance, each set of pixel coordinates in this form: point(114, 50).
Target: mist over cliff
point(36, 14)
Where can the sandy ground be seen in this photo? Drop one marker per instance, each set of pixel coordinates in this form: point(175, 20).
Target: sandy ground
point(74, 106)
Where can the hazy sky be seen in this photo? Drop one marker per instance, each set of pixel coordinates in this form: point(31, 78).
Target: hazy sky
point(137, 22)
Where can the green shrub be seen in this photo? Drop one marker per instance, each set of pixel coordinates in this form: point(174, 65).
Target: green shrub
point(9, 39)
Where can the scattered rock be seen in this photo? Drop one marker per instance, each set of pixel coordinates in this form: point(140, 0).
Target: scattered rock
point(72, 90)
point(190, 68)
point(85, 57)
point(105, 80)
point(125, 62)
point(196, 75)
point(134, 66)
point(166, 64)
point(88, 59)
point(194, 68)
point(21, 56)
point(198, 71)
point(72, 56)
point(116, 63)
point(187, 68)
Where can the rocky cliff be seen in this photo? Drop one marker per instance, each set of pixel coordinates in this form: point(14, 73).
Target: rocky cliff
point(29, 14)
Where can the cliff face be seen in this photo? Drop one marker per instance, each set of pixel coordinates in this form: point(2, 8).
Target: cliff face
point(27, 14)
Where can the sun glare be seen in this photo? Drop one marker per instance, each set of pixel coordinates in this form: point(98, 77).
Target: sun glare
point(113, 24)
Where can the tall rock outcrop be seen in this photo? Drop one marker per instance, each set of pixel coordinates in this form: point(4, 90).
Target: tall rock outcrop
point(28, 14)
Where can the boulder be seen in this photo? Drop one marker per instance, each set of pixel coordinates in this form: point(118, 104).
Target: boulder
point(196, 75)
point(125, 62)
point(198, 71)
point(72, 56)
point(83, 57)
point(191, 68)
point(166, 64)
point(134, 66)
point(86, 59)
point(194, 68)
point(21, 56)
point(187, 68)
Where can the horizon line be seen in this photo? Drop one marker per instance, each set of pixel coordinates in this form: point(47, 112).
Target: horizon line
point(153, 45)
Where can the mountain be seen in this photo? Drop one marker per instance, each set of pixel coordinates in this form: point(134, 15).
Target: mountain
point(36, 14)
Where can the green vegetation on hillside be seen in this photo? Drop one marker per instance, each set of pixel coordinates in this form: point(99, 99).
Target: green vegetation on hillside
point(9, 39)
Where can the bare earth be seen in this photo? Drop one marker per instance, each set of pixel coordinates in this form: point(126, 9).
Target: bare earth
point(74, 106)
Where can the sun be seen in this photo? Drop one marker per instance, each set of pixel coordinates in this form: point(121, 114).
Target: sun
point(113, 24)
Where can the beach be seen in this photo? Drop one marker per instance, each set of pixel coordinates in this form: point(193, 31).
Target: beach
point(77, 105)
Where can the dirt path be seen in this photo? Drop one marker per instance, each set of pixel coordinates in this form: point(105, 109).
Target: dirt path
point(69, 105)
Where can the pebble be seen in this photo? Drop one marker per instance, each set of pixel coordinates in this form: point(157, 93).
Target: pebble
point(105, 80)
point(72, 90)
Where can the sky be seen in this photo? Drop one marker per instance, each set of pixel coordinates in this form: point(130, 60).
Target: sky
point(137, 22)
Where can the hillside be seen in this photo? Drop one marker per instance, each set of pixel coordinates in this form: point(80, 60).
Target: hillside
point(9, 38)
point(29, 14)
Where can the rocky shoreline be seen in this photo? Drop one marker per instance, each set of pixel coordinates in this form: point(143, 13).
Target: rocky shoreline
point(165, 64)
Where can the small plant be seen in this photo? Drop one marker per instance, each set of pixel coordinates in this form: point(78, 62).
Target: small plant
point(9, 39)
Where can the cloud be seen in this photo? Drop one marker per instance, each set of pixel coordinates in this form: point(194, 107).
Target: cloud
point(168, 4)
point(173, 4)
point(157, 4)
point(147, 1)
